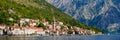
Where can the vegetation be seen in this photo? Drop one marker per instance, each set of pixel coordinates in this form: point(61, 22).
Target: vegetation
point(41, 25)
point(35, 9)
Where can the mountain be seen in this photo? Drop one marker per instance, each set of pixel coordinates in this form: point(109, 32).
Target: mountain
point(105, 14)
point(11, 11)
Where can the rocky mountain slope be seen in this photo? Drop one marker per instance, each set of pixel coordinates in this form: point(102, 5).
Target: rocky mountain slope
point(105, 14)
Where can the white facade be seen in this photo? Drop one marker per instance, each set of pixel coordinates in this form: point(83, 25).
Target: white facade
point(17, 31)
point(1, 32)
point(43, 33)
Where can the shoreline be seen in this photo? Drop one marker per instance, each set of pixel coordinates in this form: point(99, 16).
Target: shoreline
point(48, 35)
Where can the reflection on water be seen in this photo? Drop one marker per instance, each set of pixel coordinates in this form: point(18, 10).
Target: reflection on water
point(18, 38)
point(94, 37)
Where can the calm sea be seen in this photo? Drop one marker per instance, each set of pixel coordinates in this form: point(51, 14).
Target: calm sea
point(75, 37)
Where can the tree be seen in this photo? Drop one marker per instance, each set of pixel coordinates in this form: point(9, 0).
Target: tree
point(41, 25)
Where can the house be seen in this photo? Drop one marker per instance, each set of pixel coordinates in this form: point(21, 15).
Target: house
point(10, 11)
point(32, 24)
point(17, 31)
point(49, 27)
point(45, 23)
point(2, 26)
point(58, 27)
point(29, 31)
point(27, 20)
point(11, 19)
point(92, 32)
point(21, 22)
point(1, 32)
point(40, 31)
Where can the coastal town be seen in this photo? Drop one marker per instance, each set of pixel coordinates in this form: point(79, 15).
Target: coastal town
point(27, 26)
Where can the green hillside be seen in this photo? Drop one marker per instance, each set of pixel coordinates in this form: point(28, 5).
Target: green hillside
point(35, 9)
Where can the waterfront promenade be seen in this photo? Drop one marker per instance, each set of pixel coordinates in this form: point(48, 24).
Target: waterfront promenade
point(73, 37)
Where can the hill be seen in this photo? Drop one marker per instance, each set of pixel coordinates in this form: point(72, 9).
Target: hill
point(34, 9)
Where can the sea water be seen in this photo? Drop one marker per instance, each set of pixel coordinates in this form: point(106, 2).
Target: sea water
point(73, 37)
